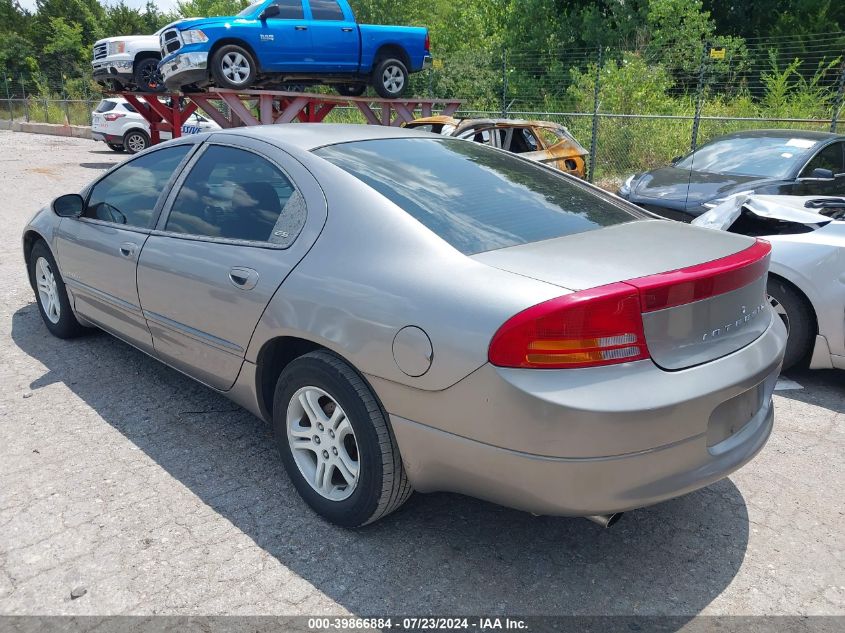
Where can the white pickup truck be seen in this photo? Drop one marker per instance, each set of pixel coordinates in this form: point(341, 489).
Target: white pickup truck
point(128, 62)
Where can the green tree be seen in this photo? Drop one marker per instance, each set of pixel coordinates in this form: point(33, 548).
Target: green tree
point(677, 30)
point(89, 14)
point(209, 8)
point(17, 52)
point(66, 49)
point(122, 19)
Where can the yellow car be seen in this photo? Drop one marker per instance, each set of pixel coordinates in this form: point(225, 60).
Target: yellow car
point(546, 142)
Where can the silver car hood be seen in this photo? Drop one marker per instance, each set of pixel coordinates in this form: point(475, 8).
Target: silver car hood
point(616, 253)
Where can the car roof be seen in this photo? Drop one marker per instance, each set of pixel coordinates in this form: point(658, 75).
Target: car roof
point(468, 122)
point(813, 135)
point(310, 136)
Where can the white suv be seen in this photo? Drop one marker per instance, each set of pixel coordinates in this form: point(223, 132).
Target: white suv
point(119, 125)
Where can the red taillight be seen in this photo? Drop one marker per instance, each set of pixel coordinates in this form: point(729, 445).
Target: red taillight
point(114, 116)
point(599, 326)
point(604, 325)
point(677, 287)
point(427, 41)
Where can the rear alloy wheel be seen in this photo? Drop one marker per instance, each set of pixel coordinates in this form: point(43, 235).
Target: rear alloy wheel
point(351, 90)
point(147, 77)
point(50, 293)
point(390, 78)
point(336, 443)
point(115, 147)
point(233, 67)
point(797, 316)
point(135, 141)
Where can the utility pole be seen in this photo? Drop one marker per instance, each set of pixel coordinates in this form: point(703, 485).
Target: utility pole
point(594, 141)
point(699, 99)
point(837, 102)
point(504, 83)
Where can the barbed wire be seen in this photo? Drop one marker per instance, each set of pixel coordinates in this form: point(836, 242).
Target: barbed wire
point(652, 105)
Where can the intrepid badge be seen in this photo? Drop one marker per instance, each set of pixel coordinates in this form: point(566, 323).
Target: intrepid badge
point(744, 319)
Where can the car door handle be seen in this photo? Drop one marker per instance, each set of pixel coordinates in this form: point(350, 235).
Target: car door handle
point(346, 29)
point(128, 249)
point(243, 278)
point(301, 28)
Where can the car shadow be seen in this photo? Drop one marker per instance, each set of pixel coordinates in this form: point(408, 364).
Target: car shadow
point(821, 387)
point(99, 166)
point(440, 553)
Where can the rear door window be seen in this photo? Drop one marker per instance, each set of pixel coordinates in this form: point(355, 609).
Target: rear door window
point(474, 197)
point(235, 194)
point(326, 10)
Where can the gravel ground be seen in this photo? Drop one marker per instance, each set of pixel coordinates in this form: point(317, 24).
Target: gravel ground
point(122, 478)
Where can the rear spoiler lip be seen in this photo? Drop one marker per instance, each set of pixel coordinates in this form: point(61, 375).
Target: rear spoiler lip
point(694, 283)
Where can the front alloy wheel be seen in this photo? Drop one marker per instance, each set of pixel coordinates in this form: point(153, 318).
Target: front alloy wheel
point(147, 77)
point(797, 315)
point(233, 67)
point(48, 291)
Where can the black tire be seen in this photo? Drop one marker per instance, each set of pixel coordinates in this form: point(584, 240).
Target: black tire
point(351, 90)
point(797, 315)
point(135, 141)
point(115, 147)
point(224, 62)
point(66, 325)
point(147, 78)
point(388, 73)
point(382, 485)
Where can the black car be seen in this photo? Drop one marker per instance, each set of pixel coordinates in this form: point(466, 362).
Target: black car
point(789, 162)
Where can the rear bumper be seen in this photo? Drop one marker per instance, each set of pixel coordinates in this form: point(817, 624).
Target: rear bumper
point(184, 69)
point(578, 487)
point(107, 138)
point(597, 441)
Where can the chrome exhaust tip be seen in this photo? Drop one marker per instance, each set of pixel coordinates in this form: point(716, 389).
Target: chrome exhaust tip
point(605, 520)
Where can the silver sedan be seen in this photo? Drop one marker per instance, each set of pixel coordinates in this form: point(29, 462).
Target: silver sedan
point(807, 281)
point(410, 311)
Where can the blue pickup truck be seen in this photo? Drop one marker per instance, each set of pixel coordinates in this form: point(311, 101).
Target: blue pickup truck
point(274, 43)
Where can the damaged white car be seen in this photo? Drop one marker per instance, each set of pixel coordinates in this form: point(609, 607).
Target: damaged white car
point(807, 276)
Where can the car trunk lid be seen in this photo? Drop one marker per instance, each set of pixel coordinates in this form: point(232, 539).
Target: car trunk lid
point(702, 293)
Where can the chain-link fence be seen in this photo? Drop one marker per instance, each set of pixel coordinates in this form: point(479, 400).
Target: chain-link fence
point(633, 110)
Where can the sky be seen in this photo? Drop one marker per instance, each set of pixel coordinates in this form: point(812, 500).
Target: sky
point(164, 5)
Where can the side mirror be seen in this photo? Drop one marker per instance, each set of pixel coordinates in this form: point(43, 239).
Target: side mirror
point(822, 174)
point(70, 205)
point(270, 12)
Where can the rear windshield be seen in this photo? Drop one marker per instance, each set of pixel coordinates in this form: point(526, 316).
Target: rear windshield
point(474, 197)
point(106, 105)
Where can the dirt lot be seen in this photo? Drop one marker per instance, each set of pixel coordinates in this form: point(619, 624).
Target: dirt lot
point(155, 495)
